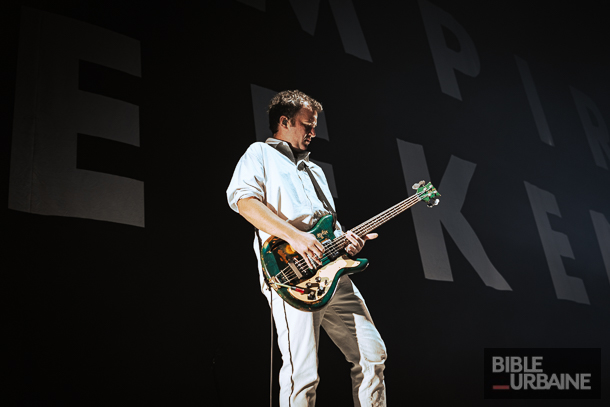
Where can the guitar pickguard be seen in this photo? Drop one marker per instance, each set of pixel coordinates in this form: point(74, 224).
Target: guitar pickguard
point(327, 275)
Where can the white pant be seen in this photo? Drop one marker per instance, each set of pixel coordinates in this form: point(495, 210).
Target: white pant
point(348, 323)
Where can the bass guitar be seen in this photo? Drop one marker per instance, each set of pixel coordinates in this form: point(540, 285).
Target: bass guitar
point(311, 289)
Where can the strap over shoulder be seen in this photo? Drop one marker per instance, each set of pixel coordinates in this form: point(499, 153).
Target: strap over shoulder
point(321, 195)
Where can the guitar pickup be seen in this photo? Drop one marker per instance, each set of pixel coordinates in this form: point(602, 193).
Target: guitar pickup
point(295, 269)
point(333, 256)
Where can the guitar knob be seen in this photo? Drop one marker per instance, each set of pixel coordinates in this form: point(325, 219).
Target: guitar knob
point(318, 279)
point(308, 285)
point(311, 296)
point(321, 290)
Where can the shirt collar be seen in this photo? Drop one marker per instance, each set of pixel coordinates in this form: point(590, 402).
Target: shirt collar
point(284, 148)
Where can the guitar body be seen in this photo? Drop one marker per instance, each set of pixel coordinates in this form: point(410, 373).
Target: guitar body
point(309, 290)
point(303, 288)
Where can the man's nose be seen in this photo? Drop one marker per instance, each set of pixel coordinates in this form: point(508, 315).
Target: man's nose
point(312, 132)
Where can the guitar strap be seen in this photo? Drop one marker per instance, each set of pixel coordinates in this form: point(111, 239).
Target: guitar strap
point(321, 196)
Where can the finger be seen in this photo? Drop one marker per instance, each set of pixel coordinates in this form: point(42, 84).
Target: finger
point(357, 242)
point(305, 257)
point(316, 252)
point(358, 239)
point(354, 238)
point(320, 246)
point(317, 258)
point(318, 249)
point(313, 260)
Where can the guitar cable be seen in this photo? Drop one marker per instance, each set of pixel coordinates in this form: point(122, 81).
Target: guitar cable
point(260, 246)
point(271, 352)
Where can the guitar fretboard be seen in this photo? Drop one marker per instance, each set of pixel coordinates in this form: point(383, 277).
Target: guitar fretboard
point(376, 221)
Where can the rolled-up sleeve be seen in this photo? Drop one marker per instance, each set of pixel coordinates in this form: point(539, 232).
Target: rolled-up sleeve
point(248, 178)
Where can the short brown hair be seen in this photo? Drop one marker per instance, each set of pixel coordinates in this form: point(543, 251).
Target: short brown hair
point(288, 103)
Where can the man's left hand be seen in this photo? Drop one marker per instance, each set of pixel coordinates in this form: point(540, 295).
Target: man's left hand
point(357, 243)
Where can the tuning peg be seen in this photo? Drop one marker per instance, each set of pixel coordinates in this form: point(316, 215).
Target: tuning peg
point(432, 203)
point(419, 184)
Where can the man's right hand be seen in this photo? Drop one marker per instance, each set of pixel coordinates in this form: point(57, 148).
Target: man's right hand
point(307, 246)
point(261, 217)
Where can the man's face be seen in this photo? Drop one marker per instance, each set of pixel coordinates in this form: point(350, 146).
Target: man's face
point(300, 134)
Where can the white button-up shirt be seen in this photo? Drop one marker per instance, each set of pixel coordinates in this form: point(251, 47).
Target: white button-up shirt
point(270, 172)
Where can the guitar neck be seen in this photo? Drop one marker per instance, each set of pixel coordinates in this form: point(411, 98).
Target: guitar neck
point(376, 221)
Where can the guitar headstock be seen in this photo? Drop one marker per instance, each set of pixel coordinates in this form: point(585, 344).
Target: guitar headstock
point(427, 193)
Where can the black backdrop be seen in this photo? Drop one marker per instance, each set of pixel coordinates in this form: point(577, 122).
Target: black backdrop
point(107, 313)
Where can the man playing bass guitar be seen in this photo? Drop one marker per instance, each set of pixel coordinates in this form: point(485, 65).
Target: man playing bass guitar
point(273, 187)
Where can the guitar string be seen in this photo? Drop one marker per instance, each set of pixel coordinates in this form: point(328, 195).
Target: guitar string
point(361, 229)
point(340, 242)
point(335, 245)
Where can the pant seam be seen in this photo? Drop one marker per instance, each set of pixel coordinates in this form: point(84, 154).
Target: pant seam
point(289, 355)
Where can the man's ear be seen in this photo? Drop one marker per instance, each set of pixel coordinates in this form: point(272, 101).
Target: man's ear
point(284, 121)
